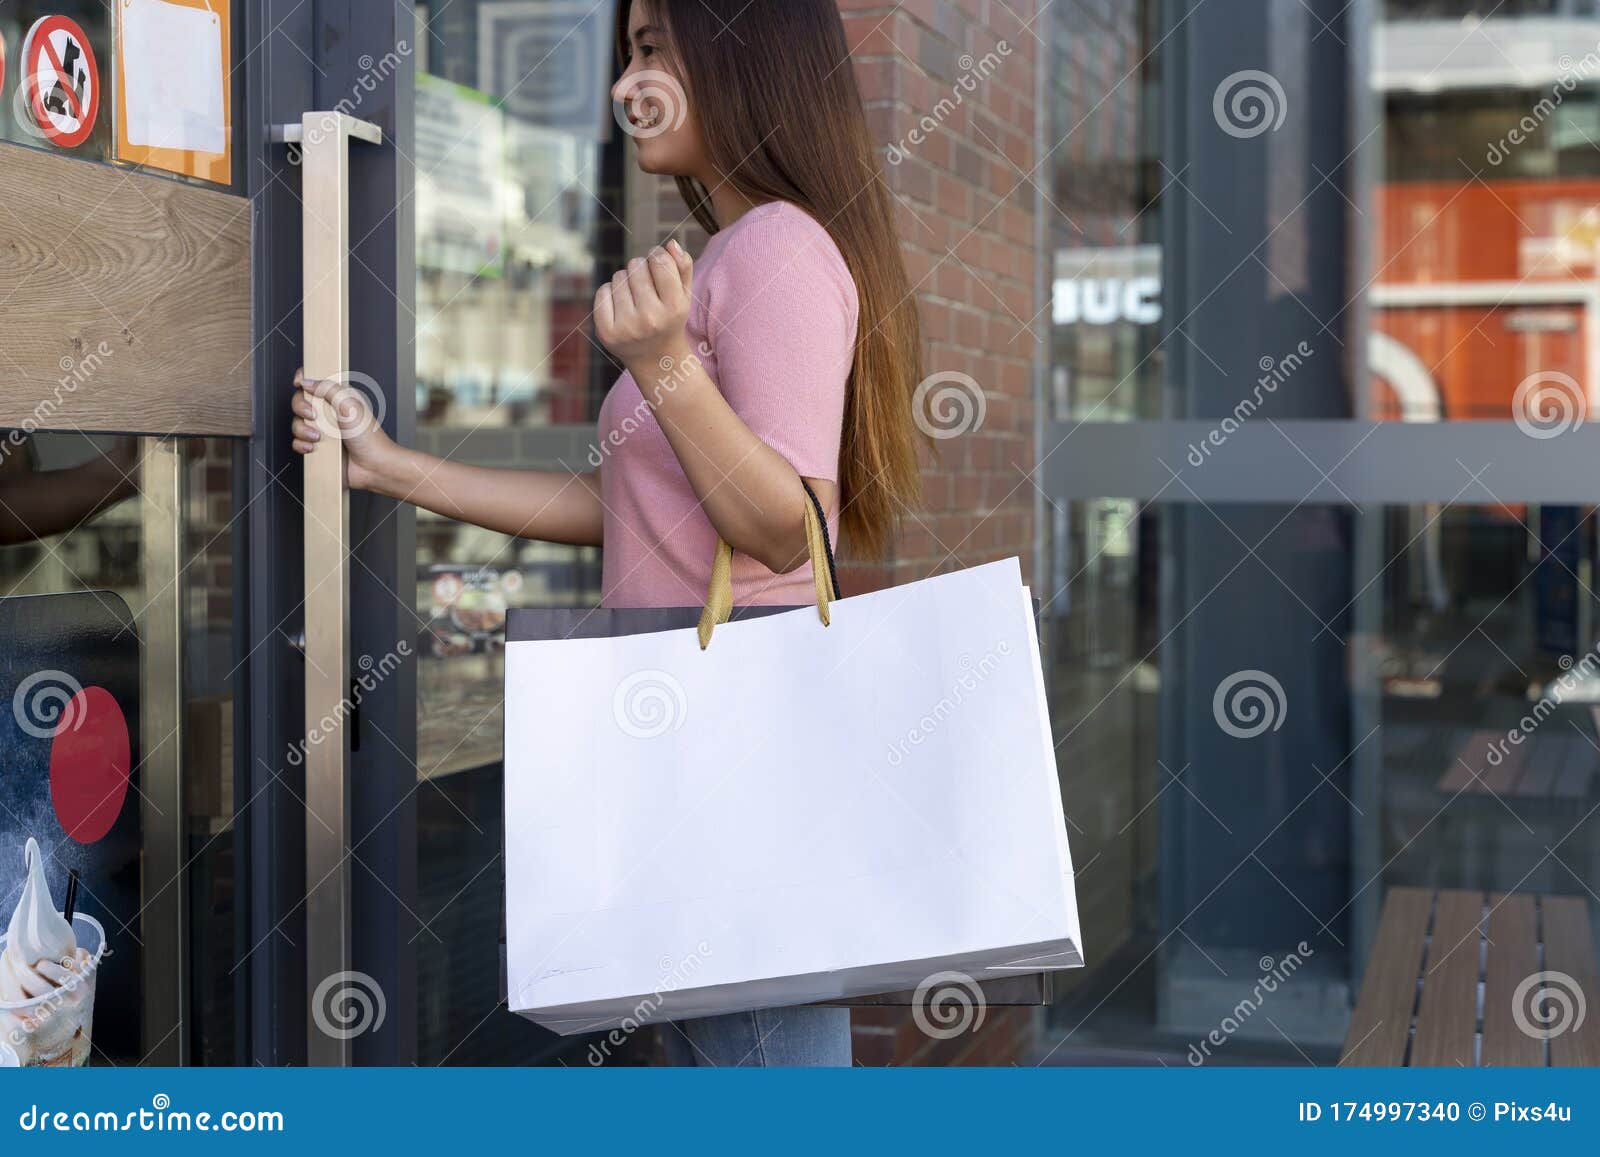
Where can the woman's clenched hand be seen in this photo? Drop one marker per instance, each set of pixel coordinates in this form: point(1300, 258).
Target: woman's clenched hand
point(639, 315)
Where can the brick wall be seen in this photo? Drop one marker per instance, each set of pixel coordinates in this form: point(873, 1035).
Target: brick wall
point(966, 211)
point(949, 92)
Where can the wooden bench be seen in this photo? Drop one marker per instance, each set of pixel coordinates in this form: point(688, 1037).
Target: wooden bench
point(1441, 984)
point(1556, 767)
point(1494, 821)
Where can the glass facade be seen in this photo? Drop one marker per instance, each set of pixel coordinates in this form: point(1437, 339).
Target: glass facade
point(1272, 716)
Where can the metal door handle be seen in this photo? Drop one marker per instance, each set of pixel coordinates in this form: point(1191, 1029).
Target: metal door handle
point(324, 139)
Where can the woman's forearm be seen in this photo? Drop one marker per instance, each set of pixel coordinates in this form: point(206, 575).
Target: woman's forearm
point(751, 494)
point(551, 505)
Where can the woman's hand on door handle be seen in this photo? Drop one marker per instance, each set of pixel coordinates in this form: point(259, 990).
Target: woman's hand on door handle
point(367, 448)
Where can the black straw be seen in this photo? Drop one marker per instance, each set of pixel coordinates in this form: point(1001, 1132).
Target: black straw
point(72, 895)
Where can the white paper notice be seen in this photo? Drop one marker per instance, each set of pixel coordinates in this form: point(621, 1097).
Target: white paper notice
point(171, 61)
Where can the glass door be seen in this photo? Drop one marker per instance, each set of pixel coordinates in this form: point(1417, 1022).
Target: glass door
point(125, 403)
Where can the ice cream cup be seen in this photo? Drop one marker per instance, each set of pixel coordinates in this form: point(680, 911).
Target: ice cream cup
point(54, 1029)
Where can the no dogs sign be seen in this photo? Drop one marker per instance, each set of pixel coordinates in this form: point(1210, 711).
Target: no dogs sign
point(63, 82)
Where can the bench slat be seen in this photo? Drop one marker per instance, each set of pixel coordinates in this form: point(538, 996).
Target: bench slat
point(1545, 768)
point(1381, 1023)
point(1576, 771)
point(1501, 778)
point(1513, 956)
point(1569, 948)
point(1447, 1016)
point(1471, 757)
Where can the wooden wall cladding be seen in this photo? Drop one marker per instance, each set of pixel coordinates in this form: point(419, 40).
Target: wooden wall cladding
point(124, 300)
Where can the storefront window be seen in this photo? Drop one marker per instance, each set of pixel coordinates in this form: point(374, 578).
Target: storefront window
point(90, 614)
point(1274, 716)
point(1475, 767)
point(1488, 213)
point(518, 195)
point(1103, 224)
point(1106, 365)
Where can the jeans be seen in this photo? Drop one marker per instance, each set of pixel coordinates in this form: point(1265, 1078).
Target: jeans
point(804, 1036)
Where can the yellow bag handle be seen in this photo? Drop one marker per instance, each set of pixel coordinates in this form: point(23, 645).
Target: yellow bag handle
point(719, 597)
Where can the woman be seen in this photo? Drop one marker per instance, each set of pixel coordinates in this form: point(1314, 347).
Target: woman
point(786, 357)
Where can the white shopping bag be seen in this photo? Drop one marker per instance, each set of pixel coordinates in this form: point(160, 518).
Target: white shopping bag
point(797, 813)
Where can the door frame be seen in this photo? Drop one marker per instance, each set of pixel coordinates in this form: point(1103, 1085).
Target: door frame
point(356, 59)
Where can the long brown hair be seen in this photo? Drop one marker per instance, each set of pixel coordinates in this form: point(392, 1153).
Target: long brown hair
point(771, 84)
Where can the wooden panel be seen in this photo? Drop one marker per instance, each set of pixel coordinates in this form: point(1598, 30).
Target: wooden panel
point(124, 300)
point(1447, 1015)
point(1569, 948)
point(1381, 1023)
point(1513, 957)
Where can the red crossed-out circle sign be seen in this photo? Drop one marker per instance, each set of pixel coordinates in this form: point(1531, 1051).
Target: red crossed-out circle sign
point(63, 81)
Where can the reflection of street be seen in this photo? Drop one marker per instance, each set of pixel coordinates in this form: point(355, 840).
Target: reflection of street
point(1520, 300)
point(1490, 755)
point(466, 713)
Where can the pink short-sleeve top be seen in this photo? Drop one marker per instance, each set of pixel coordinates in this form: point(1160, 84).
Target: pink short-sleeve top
point(773, 321)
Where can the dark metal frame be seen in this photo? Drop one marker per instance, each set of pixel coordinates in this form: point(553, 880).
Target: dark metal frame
point(300, 57)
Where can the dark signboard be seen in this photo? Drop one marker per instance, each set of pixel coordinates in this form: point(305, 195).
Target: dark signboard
point(69, 758)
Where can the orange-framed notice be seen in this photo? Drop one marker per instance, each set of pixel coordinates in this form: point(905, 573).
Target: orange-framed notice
point(173, 89)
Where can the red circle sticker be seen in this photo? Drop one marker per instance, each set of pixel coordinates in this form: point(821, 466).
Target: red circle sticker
point(89, 763)
point(62, 79)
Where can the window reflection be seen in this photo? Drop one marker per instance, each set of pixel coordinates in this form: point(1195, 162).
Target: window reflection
point(75, 527)
point(1488, 213)
point(519, 207)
